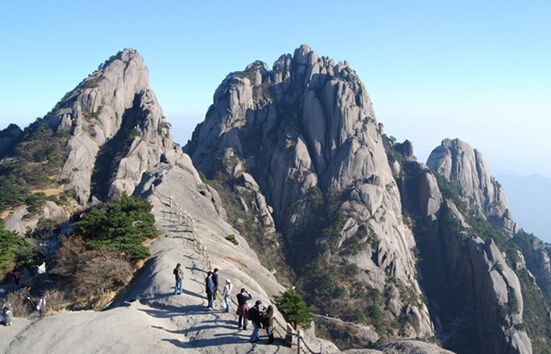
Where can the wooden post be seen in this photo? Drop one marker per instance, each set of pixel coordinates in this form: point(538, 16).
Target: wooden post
point(289, 336)
point(298, 341)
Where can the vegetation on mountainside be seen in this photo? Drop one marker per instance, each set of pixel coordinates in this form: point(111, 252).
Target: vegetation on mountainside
point(294, 310)
point(267, 246)
point(330, 284)
point(14, 250)
point(536, 321)
point(536, 314)
point(120, 226)
point(96, 262)
point(35, 163)
point(452, 300)
point(232, 239)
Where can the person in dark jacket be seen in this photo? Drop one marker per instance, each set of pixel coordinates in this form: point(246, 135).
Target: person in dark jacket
point(268, 322)
point(243, 308)
point(210, 289)
point(215, 280)
point(179, 276)
point(255, 315)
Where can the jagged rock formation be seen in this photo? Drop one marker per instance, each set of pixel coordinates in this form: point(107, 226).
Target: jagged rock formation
point(111, 130)
point(465, 167)
point(470, 279)
point(302, 132)
point(8, 137)
point(118, 142)
point(302, 164)
point(114, 116)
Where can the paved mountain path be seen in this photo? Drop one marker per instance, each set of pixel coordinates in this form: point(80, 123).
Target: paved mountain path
point(148, 318)
point(198, 328)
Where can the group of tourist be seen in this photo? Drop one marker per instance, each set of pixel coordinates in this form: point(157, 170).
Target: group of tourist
point(260, 316)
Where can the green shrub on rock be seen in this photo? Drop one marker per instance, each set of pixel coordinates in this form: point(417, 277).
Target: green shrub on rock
point(292, 307)
point(121, 225)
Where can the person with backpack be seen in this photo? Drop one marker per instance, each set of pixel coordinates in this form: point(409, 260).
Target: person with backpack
point(179, 276)
point(255, 316)
point(226, 296)
point(243, 308)
point(268, 322)
point(210, 289)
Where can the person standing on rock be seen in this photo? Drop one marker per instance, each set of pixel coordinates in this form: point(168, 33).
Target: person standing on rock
point(242, 308)
point(226, 295)
point(255, 315)
point(215, 280)
point(268, 321)
point(179, 276)
point(210, 289)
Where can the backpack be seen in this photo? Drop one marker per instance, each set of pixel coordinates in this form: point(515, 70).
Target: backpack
point(253, 314)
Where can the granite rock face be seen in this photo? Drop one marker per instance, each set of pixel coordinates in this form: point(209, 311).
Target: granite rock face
point(112, 130)
point(304, 130)
point(113, 112)
point(481, 285)
point(465, 167)
point(119, 142)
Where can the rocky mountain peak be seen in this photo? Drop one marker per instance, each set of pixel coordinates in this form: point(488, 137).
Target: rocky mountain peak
point(466, 168)
point(109, 130)
point(291, 140)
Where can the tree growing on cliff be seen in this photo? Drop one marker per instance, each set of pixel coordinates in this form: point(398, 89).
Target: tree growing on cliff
point(293, 308)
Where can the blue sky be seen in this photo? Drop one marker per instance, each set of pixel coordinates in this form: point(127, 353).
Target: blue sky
point(477, 70)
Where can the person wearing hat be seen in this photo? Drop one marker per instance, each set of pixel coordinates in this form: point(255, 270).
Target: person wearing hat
point(227, 295)
point(179, 275)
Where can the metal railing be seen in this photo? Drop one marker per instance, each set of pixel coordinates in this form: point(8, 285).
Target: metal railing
point(285, 331)
point(187, 221)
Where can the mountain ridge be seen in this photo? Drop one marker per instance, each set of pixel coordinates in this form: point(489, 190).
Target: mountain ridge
point(305, 175)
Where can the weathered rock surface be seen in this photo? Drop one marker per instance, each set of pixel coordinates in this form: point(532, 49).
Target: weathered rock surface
point(307, 125)
point(465, 167)
point(20, 220)
point(479, 284)
point(346, 334)
point(165, 322)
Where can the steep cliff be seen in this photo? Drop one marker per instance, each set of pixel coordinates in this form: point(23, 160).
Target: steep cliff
point(301, 143)
point(481, 291)
point(465, 167)
point(95, 144)
point(108, 137)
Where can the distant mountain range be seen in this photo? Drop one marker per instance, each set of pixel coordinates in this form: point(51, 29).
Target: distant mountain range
point(530, 202)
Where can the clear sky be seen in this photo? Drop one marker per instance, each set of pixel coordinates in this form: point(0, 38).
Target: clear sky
point(477, 70)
